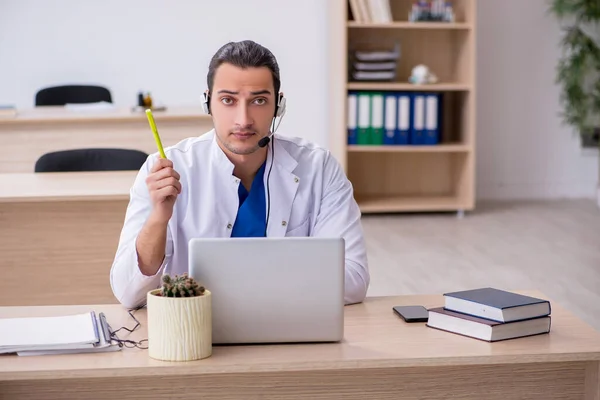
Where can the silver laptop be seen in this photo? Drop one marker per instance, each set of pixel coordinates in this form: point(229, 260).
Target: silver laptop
point(272, 290)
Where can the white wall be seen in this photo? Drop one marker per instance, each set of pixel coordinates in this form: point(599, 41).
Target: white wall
point(164, 47)
point(523, 151)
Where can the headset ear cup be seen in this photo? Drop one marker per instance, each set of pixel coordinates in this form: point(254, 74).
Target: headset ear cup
point(205, 104)
point(280, 107)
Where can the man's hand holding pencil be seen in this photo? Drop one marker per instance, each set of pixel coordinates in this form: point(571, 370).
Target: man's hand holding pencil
point(162, 182)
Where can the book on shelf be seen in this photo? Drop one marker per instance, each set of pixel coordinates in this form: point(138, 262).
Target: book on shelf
point(373, 75)
point(485, 329)
point(496, 305)
point(67, 334)
point(394, 118)
point(374, 66)
point(371, 11)
point(382, 55)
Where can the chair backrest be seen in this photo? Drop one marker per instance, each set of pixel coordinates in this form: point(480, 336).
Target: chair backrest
point(91, 160)
point(75, 94)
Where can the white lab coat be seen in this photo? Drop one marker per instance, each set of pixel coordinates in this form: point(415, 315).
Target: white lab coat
point(310, 196)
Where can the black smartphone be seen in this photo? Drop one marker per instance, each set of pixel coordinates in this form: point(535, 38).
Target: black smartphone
point(412, 313)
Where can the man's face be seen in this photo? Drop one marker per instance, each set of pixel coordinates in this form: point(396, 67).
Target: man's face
point(242, 105)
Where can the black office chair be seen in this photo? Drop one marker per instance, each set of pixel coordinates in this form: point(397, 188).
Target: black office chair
point(74, 94)
point(91, 160)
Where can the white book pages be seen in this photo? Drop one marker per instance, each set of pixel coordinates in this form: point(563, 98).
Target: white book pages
point(61, 332)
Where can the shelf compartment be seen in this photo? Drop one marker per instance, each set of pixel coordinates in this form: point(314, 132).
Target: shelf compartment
point(395, 204)
point(409, 87)
point(448, 54)
point(400, 9)
point(456, 128)
point(441, 148)
point(396, 182)
point(409, 25)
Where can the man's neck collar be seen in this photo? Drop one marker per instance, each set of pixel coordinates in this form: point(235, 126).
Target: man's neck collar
point(282, 157)
point(243, 166)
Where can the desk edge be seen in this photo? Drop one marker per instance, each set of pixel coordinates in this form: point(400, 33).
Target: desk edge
point(199, 368)
point(64, 198)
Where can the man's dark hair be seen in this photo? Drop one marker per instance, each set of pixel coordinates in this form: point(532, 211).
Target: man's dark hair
point(244, 54)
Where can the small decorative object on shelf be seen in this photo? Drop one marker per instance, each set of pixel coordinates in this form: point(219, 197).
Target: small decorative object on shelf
point(421, 75)
point(179, 320)
point(431, 11)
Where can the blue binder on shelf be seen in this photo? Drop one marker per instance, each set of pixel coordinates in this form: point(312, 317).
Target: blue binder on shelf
point(404, 118)
point(352, 123)
point(397, 118)
point(433, 119)
point(390, 118)
point(417, 132)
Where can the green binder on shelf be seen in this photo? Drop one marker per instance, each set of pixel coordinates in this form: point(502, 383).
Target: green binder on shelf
point(376, 128)
point(371, 127)
point(364, 118)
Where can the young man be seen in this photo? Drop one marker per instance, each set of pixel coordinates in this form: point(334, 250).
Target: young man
point(237, 180)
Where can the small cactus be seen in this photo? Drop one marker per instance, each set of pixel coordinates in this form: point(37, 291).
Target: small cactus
point(180, 286)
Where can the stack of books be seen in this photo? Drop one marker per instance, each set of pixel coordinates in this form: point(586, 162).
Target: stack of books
point(67, 334)
point(491, 314)
point(375, 65)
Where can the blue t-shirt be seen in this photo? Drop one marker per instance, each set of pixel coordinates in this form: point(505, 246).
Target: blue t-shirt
point(251, 217)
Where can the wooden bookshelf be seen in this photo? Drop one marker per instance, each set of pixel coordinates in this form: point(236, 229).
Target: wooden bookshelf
point(409, 25)
point(410, 178)
point(437, 87)
point(442, 148)
point(391, 204)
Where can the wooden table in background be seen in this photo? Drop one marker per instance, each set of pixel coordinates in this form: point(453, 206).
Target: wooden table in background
point(58, 235)
point(381, 357)
point(37, 131)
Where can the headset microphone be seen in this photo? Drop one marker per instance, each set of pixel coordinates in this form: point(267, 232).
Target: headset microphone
point(264, 141)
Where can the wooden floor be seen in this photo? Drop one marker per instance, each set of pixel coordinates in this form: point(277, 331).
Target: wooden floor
point(550, 246)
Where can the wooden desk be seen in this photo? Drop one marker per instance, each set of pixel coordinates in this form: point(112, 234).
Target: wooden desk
point(381, 357)
point(34, 132)
point(59, 233)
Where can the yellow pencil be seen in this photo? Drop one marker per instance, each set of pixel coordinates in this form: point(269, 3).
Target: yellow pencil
point(155, 132)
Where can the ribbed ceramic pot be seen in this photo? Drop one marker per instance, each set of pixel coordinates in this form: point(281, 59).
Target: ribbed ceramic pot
point(179, 328)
